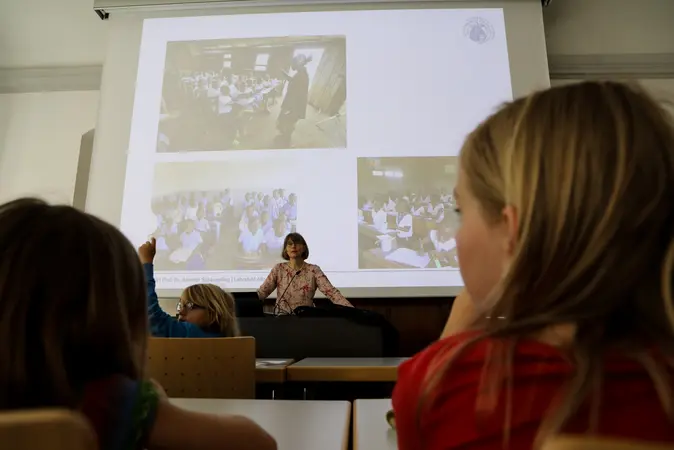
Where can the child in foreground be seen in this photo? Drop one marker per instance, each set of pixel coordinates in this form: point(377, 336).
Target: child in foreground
point(74, 327)
point(566, 249)
point(204, 310)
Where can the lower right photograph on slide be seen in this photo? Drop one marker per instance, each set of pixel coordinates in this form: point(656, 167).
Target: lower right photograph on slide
point(406, 216)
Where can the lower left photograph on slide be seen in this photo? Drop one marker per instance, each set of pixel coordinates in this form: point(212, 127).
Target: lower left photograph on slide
point(217, 215)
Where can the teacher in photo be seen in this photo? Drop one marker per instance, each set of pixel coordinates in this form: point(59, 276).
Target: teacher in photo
point(296, 280)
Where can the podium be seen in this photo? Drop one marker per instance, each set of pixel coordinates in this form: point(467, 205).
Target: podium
point(313, 337)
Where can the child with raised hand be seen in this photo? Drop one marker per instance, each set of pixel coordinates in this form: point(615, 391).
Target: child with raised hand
point(204, 310)
point(74, 335)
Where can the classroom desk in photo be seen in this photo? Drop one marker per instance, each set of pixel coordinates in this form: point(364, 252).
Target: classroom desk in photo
point(271, 370)
point(371, 431)
point(370, 232)
point(400, 258)
point(345, 369)
point(295, 424)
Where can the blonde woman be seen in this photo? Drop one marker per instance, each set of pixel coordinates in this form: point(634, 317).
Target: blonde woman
point(566, 247)
point(204, 310)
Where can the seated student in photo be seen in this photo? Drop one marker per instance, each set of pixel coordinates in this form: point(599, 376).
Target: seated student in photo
point(191, 210)
point(287, 226)
point(405, 222)
point(252, 239)
point(267, 206)
point(234, 92)
point(444, 244)
point(162, 244)
point(281, 198)
point(225, 102)
point(390, 204)
point(290, 208)
point(226, 199)
point(275, 237)
point(213, 89)
point(204, 310)
point(88, 328)
point(379, 217)
point(202, 225)
point(191, 237)
point(169, 227)
point(265, 222)
point(190, 242)
point(435, 209)
point(297, 280)
point(418, 208)
point(445, 196)
point(248, 200)
point(249, 213)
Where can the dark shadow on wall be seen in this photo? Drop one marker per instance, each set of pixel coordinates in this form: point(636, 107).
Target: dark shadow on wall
point(83, 170)
point(5, 117)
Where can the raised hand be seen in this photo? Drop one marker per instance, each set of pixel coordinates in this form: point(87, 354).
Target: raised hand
point(147, 251)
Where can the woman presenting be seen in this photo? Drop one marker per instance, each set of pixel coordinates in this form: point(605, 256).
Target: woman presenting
point(296, 280)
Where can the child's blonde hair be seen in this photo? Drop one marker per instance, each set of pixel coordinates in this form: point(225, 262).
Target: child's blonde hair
point(589, 168)
point(219, 306)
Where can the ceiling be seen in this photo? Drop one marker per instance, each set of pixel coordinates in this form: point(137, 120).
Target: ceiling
point(44, 33)
point(38, 33)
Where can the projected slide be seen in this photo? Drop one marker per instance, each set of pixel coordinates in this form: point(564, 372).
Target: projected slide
point(254, 94)
point(214, 216)
point(405, 213)
point(344, 126)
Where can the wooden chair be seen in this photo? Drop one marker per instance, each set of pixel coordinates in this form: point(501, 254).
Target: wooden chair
point(48, 429)
point(597, 443)
point(203, 368)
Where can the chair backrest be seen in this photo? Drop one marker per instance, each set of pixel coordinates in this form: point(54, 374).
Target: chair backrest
point(203, 367)
point(597, 443)
point(49, 429)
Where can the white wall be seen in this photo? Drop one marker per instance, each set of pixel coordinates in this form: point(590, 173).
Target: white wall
point(609, 27)
point(40, 137)
point(661, 89)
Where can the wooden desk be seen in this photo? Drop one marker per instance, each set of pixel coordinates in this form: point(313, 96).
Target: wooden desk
point(345, 369)
point(371, 431)
point(271, 370)
point(295, 424)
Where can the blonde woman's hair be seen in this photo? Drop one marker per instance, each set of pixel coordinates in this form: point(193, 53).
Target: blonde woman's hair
point(219, 306)
point(589, 168)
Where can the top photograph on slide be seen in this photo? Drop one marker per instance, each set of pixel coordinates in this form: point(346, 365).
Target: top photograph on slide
point(275, 93)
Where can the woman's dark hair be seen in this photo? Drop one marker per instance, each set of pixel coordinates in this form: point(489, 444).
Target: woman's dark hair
point(296, 239)
point(73, 304)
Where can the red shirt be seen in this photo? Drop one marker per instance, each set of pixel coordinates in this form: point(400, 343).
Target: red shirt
point(629, 406)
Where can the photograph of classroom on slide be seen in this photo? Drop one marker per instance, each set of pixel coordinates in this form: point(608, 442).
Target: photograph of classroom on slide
point(215, 216)
point(254, 94)
point(185, 60)
point(406, 216)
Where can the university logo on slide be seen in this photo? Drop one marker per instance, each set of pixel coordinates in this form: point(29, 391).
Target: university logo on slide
point(478, 30)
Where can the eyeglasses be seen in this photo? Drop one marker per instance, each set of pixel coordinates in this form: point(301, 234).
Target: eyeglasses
point(187, 307)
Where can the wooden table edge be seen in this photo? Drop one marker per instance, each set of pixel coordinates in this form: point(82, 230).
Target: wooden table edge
point(273, 373)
